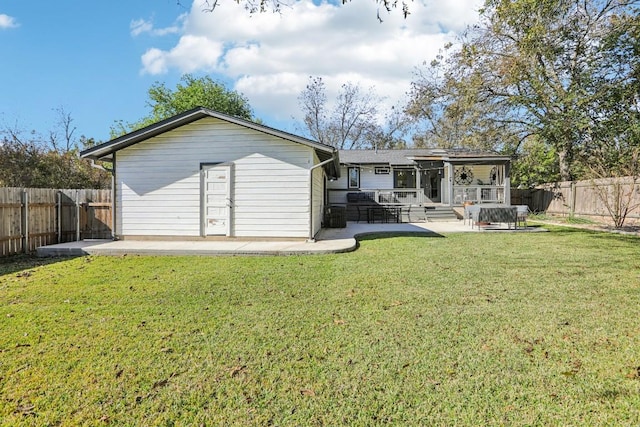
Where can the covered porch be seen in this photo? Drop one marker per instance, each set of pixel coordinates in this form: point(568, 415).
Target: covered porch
point(426, 188)
point(418, 180)
point(467, 179)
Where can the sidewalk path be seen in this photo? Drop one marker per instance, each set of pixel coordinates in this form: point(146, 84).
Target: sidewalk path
point(330, 240)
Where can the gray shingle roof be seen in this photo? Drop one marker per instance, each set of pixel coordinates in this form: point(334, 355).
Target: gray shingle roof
point(408, 156)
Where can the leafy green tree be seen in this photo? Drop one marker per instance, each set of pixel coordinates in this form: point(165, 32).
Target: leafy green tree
point(562, 71)
point(535, 164)
point(192, 92)
point(29, 165)
point(448, 102)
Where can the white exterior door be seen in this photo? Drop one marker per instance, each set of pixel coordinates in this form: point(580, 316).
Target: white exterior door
point(217, 199)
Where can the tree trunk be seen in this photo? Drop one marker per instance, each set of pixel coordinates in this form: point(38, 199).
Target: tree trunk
point(564, 163)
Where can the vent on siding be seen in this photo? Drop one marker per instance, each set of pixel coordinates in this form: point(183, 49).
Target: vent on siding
point(382, 170)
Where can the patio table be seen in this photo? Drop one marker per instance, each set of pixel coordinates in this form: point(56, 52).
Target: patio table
point(505, 214)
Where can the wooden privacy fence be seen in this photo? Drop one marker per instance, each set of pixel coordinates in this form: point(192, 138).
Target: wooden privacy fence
point(581, 198)
point(32, 217)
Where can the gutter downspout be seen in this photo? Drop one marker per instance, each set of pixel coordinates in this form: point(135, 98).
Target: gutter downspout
point(311, 238)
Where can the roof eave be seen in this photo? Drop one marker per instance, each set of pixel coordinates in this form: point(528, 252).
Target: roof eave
point(105, 150)
point(496, 159)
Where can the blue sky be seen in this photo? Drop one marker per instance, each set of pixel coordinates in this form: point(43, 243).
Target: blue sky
point(77, 55)
point(97, 59)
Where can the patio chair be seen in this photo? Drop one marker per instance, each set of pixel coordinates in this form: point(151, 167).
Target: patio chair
point(469, 211)
point(363, 212)
point(523, 212)
point(375, 213)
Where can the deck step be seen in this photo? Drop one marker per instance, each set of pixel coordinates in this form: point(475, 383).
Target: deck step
point(440, 213)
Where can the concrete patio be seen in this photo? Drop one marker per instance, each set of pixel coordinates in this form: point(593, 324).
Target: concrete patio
point(330, 240)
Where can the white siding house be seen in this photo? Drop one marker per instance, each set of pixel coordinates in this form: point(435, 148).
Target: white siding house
point(203, 173)
point(422, 177)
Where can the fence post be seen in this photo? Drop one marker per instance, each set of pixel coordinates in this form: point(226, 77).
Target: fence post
point(77, 215)
point(572, 200)
point(59, 218)
point(25, 221)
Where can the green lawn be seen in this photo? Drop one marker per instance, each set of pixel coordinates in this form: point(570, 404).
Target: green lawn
point(469, 329)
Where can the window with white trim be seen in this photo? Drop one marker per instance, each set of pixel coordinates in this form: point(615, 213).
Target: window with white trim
point(353, 176)
point(404, 178)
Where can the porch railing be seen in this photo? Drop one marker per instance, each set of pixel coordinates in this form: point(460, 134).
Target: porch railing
point(416, 196)
point(478, 194)
point(408, 196)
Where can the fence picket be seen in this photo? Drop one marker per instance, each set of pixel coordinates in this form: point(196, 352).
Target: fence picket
point(50, 216)
point(580, 198)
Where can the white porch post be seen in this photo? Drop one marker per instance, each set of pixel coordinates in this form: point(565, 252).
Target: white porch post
point(507, 184)
point(450, 182)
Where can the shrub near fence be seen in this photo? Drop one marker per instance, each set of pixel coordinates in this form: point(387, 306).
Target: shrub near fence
point(580, 198)
point(32, 217)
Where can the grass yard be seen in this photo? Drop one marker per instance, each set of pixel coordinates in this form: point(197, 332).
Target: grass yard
point(470, 329)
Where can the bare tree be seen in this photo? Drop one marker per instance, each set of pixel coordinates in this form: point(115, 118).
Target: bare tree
point(64, 124)
point(394, 132)
point(353, 122)
point(313, 102)
point(616, 182)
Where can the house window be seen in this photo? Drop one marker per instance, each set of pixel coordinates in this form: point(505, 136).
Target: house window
point(404, 178)
point(354, 177)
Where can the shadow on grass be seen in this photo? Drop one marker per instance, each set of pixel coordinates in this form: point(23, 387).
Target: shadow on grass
point(561, 228)
point(615, 237)
point(599, 234)
point(375, 235)
point(535, 228)
point(501, 229)
point(20, 263)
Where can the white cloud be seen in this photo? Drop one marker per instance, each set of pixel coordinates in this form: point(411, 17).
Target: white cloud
point(271, 56)
point(140, 26)
point(7, 22)
point(192, 53)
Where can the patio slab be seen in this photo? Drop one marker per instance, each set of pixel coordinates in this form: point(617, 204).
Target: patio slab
point(330, 240)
